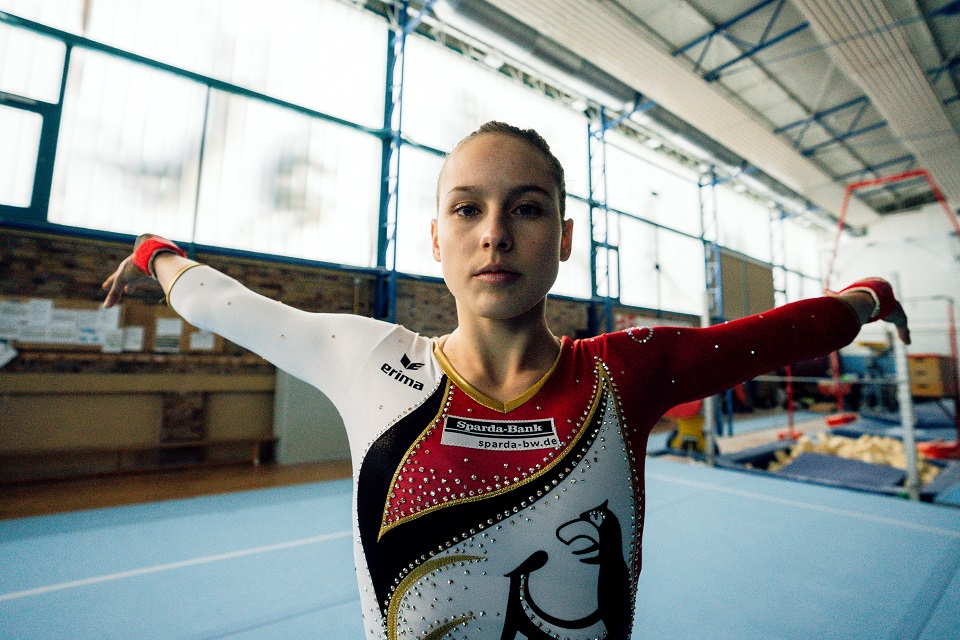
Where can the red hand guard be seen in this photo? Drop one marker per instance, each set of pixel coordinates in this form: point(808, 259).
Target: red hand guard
point(144, 253)
point(882, 293)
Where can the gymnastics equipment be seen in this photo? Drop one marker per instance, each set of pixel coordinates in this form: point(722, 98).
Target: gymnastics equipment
point(948, 450)
point(899, 177)
point(941, 450)
point(688, 436)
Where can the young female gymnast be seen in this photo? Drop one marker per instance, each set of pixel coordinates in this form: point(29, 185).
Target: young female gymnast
point(498, 470)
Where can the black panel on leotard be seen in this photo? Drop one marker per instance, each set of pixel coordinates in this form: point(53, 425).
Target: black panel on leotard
point(414, 541)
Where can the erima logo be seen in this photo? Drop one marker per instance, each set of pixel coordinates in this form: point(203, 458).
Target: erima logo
point(413, 366)
point(398, 374)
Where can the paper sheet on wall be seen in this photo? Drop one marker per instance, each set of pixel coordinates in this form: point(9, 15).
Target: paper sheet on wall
point(41, 311)
point(13, 315)
point(168, 335)
point(112, 341)
point(202, 341)
point(63, 327)
point(87, 327)
point(40, 321)
point(36, 321)
point(133, 338)
point(7, 353)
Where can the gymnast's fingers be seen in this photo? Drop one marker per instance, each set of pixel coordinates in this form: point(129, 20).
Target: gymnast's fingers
point(117, 284)
point(898, 318)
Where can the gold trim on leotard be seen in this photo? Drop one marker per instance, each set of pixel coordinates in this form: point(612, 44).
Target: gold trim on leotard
point(177, 277)
point(481, 397)
point(603, 382)
point(436, 564)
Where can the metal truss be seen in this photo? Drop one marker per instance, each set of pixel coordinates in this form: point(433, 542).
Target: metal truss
point(852, 111)
point(749, 49)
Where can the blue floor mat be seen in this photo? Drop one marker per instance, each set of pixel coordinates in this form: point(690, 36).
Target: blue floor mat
point(834, 470)
point(726, 555)
point(926, 415)
point(873, 427)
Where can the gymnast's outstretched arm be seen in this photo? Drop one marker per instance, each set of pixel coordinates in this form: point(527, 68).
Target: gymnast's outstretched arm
point(323, 349)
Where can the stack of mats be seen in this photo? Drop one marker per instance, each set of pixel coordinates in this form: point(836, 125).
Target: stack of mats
point(932, 421)
point(843, 472)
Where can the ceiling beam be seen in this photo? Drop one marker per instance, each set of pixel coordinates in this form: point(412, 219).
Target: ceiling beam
point(603, 34)
point(870, 45)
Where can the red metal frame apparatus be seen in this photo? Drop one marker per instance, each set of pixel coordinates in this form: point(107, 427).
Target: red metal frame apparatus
point(939, 449)
point(899, 177)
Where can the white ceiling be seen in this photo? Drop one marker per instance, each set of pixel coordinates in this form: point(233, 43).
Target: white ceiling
point(816, 94)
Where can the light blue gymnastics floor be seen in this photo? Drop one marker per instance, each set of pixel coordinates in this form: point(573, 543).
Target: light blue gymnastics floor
point(726, 555)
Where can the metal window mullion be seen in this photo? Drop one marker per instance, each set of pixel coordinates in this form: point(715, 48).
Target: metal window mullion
point(47, 152)
point(597, 190)
point(385, 304)
point(711, 245)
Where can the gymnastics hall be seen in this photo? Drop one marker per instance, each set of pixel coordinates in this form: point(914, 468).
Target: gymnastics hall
point(721, 159)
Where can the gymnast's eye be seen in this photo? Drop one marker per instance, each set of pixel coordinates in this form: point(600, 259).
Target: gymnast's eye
point(466, 211)
point(528, 210)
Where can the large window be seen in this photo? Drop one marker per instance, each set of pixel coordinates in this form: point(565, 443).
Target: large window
point(802, 245)
point(288, 160)
point(129, 148)
point(744, 223)
point(574, 276)
point(639, 262)
point(31, 65)
point(322, 55)
point(279, 182)
point(31, 70)
point(660, 269)
point(416, 208)
point(641, 182)
point(446, 96)
point(683, 279)
point(20, 131)
point(66, 15)
point(269, 179)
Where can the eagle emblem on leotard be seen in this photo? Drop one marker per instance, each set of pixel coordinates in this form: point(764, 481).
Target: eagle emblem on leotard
point(594, 537)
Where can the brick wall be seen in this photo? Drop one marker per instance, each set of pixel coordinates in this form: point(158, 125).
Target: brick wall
point(53, 266)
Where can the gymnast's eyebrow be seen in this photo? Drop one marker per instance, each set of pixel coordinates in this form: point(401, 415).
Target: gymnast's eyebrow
point(512, 193)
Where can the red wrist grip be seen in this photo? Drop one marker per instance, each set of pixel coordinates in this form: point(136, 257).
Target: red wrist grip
point(146, 250)
point(882, 294)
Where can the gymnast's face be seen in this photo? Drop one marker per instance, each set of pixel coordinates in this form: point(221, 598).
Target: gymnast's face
point(499, 235)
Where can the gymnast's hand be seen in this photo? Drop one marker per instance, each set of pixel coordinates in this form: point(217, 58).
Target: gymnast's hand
point(123, 281)
point(898, 318)
point(872, 299)
point(152, 257)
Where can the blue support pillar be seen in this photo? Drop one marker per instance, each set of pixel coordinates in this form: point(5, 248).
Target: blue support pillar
point(711, 245)
point(713, 302)
point(604, 254)
point(385, 294)
point(778, 254)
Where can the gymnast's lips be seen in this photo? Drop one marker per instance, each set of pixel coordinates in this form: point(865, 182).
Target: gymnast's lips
point(496, 274)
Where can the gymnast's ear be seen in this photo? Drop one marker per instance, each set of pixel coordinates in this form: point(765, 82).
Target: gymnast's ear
point(434, 241)
point(566, 240)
